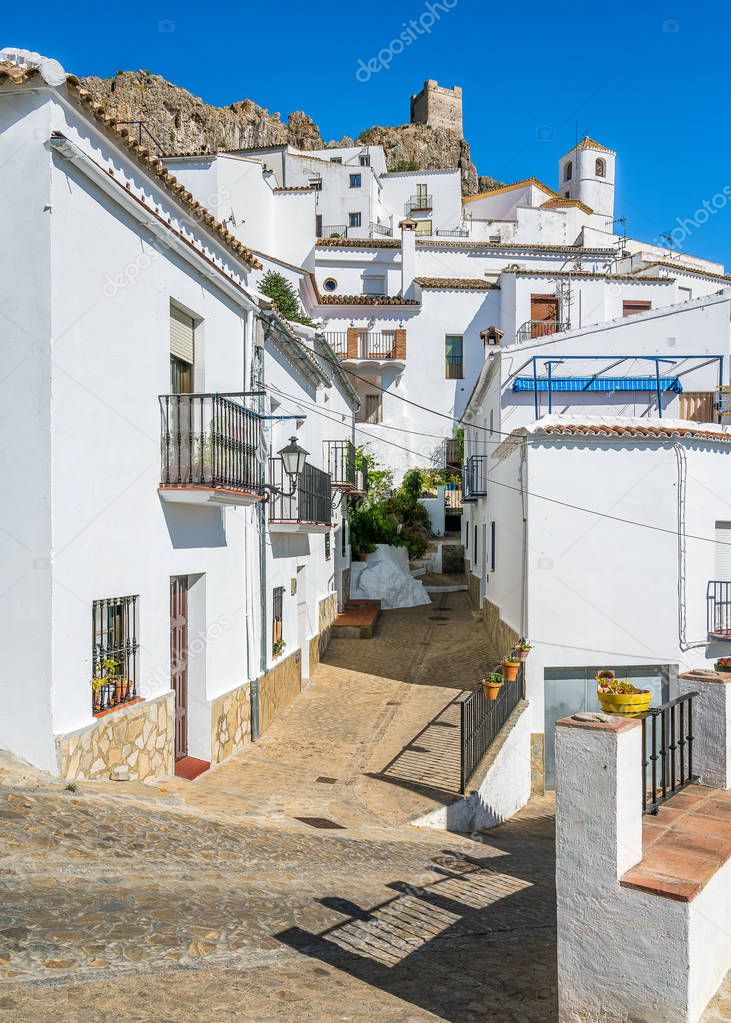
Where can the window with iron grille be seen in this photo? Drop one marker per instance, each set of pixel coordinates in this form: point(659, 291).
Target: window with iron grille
point(277, 636)
point(373, 408)
point(453, 357)
point(114, 652)
point(328, 547)
point(354, 220)
point(365, 159)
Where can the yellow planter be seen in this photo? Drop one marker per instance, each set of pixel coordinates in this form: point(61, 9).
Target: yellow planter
point(625, 703)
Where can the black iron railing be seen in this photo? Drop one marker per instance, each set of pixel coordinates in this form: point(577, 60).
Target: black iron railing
point(452, 453)
point(418, 202)
point(334, 231)
point(667, 751)
point(475, 477)
point(115, 651)
point(481, 720)
point(539, 328)
point(311, 501)
point(718, 609)
point(209, 440)
point(340, 462)
point(454, 232)
point(371, 344)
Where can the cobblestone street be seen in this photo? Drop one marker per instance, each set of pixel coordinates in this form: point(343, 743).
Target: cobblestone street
point(210, 900)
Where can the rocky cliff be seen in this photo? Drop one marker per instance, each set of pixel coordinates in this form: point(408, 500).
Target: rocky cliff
point(182, 123)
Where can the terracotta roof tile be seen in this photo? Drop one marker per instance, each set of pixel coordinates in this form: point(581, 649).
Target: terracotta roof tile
point(16, 74)
point(359, 243)
point(679, 268)
point(509, 188)
point(456, 283)
point(366, 300)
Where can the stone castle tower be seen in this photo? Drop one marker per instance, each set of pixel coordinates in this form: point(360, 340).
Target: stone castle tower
point(438, 107)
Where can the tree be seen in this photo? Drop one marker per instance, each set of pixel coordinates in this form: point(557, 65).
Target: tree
point(280, 291)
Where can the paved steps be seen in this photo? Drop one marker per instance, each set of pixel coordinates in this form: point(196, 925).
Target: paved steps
point(358, 620)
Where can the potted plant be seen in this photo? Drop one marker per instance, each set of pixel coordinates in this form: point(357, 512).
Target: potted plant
point(522, 649)
point(723, 664)
point(492, 684)
point(510, 668)
point(96, 688)
point(278, 647)
point(620, 696)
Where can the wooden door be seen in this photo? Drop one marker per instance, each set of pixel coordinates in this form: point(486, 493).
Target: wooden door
point(179, 660)
point(543, 315)
point(698, 407)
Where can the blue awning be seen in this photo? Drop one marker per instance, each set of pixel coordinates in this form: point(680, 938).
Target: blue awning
point(598, 384)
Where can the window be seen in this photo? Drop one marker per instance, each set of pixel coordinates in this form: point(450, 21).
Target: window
point(316, 183)
point(493, 552)
point(336, 159)
point(328, 547)
point(600, 168)
point(374, 284)
point(182, 351)
point(365, 159)
point(474, 549)
point(373, 408)
point(567, 195)
point(453, 357)
point(568, 171)
point(423, 227)
point(277, 638)
point(329, 284)
point(114, 652)
point(355, 180)
point(318, 225)
point(421, 197)
point(354, 220)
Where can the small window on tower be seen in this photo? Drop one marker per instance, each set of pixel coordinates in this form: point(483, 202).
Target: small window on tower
point(600, 168)
point(568, 173)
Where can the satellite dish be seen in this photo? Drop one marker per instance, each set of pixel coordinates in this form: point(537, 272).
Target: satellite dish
point(51, 71)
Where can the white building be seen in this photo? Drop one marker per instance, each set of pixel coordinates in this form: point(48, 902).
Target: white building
point(148, 389)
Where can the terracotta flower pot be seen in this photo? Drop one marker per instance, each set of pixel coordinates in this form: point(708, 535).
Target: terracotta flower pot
point(510, 670)
point(491, 689)
point(118, 690)
point(522, 655)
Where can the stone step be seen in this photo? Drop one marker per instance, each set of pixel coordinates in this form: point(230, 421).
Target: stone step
point(358, 620)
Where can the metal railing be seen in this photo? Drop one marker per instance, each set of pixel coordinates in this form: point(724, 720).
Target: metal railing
point(539, 328)
point(718, 609)
point(723, 401)
point(480, 722)
point(667, 751)
point(334, 231)
point(340, 462)
point(453, 232)
point(209, 440)
point(311, 501)
point(115, 649)
point(382, 229)
point(451, 453)
point(474, 476)
point(371, 344)
point(418, 202)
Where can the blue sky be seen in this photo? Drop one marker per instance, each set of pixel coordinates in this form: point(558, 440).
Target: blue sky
point(649, 78)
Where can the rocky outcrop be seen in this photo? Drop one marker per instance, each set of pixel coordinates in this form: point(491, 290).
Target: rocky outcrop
point(182, 123)
point(420, 147)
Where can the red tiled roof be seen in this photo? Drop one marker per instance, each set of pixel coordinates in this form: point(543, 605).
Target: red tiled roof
point(456, 283)
point(365, 300)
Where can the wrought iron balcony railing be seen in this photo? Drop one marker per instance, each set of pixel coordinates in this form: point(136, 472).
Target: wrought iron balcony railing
point(380, 229)
point(474, 476)
point(418, 202)
point(667, 751)
point(451, 453)
point(209, 441)
point(311, 503)
point(453, 232)
point(340, 462)
point(539, 328)
point(366, 344)
point(334, 231)
point(718, 609)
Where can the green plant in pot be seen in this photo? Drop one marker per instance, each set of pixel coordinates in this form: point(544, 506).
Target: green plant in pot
point(492, 684)
point(521, 650)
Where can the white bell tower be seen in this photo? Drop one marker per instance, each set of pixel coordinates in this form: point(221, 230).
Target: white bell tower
point(586, 173)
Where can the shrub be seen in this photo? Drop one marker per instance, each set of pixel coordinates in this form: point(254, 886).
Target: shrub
point(281, 292)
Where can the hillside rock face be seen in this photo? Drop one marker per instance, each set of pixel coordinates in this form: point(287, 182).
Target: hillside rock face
point(182, 123)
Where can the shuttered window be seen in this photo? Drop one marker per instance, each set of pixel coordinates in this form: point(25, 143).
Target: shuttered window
point(723, 550)
point(182, 335)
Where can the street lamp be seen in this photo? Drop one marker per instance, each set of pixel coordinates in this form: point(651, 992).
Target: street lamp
point(294, 459)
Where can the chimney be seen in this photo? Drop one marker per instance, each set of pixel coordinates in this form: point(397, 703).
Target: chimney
point(408, 256)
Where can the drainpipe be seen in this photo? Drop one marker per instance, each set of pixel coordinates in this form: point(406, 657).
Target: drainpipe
point(261, 512)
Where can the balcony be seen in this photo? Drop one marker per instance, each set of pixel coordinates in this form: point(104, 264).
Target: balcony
point(209, 450)
point(718, 609)
point(451, 453)
point(340, 463)
point(539, 328)
point(418, 204)
point(309, 509)
point(333, 231)
point(474, 476)
point(364, 347)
